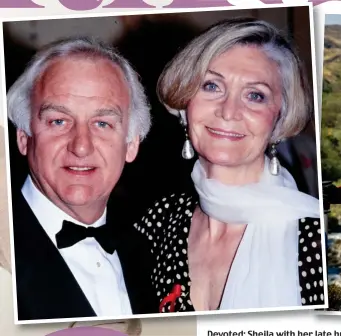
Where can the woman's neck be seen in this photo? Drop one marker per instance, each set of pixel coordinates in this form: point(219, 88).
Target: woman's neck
point(235, 175)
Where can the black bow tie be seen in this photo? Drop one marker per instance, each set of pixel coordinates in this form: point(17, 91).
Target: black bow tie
point(71, 233)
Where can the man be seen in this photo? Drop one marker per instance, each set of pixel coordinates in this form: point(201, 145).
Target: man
point(80, 114)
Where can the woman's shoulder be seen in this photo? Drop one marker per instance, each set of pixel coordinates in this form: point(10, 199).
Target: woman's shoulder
point(171, 202)
point(165, 213)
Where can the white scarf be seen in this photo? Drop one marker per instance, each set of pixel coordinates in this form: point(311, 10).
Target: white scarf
point(264, 272)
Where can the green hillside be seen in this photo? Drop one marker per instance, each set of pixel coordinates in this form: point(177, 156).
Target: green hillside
point(331, 105)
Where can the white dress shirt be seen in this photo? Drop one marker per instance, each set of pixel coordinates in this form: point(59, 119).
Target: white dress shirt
point(98, 273)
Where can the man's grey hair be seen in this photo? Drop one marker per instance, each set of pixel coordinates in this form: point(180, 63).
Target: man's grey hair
point(19, 97)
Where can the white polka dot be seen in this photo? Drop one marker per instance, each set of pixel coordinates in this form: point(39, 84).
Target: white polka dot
point(149, 224)
point(315, 297)
point(301, 240)
point(166, 205)
point(310, 298)
point(300, 263)
point(161, 280)
point(184, 251)
point(322, 297)
point(159, 210)
point(187, 212)
point(183, 288)
point(185, 230)
point(307, 227)
point(302, 220)
point(178, 276)
point(312, 271)
point(181, 200)
point(309, 259)
point(168, 281)
point(299, 233)
point(310, 234)
point(304, 273)
point(181, 263)
point(317, 256)
point(319, 231)
point(150, 237)
point(313, 244)
point(305, 249)
point(316, 223)
point(189, 302)
point(154, 216)
point(158, 293)
point(303, 300)
point(142, 230)
point(185, 274)
point(180, 300)
point(321, 283)
point(315, 283)
point(177, 254)
point(169, 268)
point(320, 269)
point(308, 285)
point(180, 242)
point(300, 289)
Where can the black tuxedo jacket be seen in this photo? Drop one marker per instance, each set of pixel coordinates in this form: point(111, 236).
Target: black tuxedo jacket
point(46, 288)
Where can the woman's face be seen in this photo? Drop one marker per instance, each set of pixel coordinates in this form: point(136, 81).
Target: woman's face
point(232, 115)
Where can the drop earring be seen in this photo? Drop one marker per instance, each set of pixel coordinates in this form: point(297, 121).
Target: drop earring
point(187, 149)
point(274, 164)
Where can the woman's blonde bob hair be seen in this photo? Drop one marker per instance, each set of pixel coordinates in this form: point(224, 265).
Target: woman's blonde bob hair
point(182, 77)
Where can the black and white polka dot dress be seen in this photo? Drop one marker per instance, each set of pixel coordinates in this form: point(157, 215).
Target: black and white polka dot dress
point(166, 226)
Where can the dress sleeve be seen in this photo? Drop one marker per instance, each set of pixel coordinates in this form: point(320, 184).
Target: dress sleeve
point(310, 262)
point(153, 222)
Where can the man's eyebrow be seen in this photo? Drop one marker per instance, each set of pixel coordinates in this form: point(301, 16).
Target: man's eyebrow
point(114, 112)
point(52, 107)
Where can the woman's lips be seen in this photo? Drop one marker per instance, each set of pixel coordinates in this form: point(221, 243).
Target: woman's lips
point(223, 134)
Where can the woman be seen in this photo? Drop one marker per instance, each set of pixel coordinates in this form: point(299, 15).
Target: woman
point(246, 237)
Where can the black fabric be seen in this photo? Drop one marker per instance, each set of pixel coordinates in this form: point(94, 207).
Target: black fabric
point(71, 233)
point(166, 226)
point(46, 288)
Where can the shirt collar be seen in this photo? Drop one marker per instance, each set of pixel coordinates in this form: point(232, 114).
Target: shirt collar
point(48, 214)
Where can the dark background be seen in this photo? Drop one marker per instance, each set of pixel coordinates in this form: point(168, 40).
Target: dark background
point(149, 42)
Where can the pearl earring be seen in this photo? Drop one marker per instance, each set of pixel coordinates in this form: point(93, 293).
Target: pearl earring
point(187, 149)
point(274, 164)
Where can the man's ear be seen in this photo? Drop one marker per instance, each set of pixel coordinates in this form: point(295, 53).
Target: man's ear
point(132, 149)
point(22, 139)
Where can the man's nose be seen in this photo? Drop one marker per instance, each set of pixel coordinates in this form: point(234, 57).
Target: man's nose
point(81, 142)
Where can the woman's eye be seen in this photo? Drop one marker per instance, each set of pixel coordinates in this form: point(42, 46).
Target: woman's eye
point(256, 97)
point(210, 86)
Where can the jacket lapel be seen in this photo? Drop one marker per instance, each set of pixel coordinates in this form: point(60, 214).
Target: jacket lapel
point(46, 288)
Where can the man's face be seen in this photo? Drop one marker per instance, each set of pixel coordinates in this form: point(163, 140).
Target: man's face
point(79, 126)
